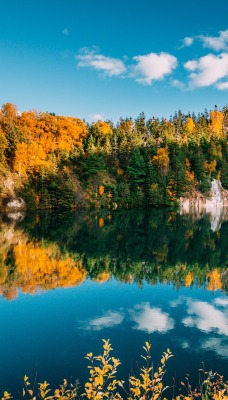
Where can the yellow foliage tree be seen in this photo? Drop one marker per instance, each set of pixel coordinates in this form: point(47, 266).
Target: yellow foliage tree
point(27, 122)
point(3, 145)
point(162, 158)
point(215, 282)
point(104, 128)
point(210, 167)
point(103, 277)
point(30, 158)
point(216, 122)
point(101, 222)
point(9, 111)
point(125, 126)
point(52, 132)
point(101, 190)
point(188, 279)
point(44, 267)
point(190, 125)
point(70, 133)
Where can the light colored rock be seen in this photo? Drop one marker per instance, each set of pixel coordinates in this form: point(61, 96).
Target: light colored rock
point(16, 216)
point(9, 184)
point(8, 234)
point(217, 217)
point(215, 205)
point(218, 197)
point(15, 204)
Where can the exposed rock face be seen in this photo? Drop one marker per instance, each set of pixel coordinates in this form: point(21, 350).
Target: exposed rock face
point(218, 197)
point(16, 216)
point(9, 186)
point(15, 204)
point(215, 204)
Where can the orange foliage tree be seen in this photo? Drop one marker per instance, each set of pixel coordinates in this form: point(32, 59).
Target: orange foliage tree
point(215, 282)
point(30, 158)
point(216, 122)
point(210, 167)
point(45, 135)
point(190, 125)
point(44, 267)
point(161, 159)
point(104, 128)
point(9, 111)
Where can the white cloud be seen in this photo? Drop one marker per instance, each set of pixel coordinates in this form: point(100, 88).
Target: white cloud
point(212, 343)
point(206, 317)
point(178, 84)
point(216, 43)
point(191, 65)
point(222, 85)
point(65, 32)
point(90, 57)
point(208, 70)
point(185, 344)
point(97, 117)
point(221, 302)
point(150, 319)
point(178, 302)
point(188, 41)
point(152, 67)
point(108, 320)
point(217, 345)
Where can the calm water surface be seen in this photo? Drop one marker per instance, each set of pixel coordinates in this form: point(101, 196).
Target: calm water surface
point(67, 281)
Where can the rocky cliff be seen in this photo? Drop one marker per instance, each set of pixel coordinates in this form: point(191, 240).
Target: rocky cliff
point(215, 203)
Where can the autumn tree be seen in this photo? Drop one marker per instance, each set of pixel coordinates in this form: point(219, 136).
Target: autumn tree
point(190, 125)
point(30, 158)
point(161, 159)
point(3, 146)
point(216, 122)
point(103, 127)
point(9, 112)
point(8, 122)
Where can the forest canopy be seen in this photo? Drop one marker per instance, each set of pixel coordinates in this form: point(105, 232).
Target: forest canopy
point(58, 161)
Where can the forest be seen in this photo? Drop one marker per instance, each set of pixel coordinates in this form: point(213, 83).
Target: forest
point(56, 161)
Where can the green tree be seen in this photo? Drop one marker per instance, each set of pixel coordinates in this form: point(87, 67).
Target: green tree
point(136, 169)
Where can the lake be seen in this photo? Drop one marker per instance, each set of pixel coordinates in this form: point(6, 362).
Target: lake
point(69, 280)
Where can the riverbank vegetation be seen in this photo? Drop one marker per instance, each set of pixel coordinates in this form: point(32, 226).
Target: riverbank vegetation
point(147, 384)
point(62, 162)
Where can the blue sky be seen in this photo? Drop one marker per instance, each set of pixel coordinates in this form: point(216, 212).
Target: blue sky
point(105, 59)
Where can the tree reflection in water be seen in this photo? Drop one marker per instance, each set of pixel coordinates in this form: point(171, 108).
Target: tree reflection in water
point(50, 250)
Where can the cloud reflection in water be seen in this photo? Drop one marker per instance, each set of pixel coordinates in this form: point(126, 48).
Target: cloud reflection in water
point(151, 319)
point(206, 317)
point(108, 320)
point(145, 318)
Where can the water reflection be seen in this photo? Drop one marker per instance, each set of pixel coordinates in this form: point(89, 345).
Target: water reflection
point(49, 251)
point(198, 315)
point(144, 317)
point(154, 276)
point(109, 319)
point(205, 317)
point(217, 345)
point(150, 319)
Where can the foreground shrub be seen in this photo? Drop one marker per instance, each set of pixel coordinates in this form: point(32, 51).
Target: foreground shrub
point(148, 385)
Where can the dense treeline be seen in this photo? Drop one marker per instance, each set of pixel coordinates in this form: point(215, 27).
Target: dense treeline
point(51, 251)
point(57, 161)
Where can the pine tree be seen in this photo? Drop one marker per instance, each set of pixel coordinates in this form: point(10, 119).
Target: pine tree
point(137, 169)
